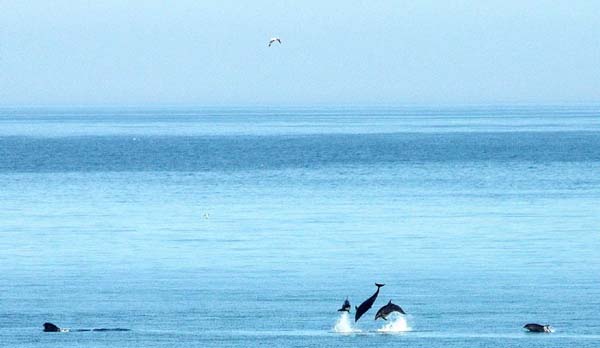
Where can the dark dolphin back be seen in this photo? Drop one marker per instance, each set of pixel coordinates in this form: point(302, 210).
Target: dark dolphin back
point(49, 327)
point(365, 306)
point(395, 308)
point(537, 327)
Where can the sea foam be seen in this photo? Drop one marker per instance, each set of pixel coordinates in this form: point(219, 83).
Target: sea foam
point(344, 324)
point(396, 323)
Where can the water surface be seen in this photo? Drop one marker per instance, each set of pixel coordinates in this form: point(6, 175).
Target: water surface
point(245, 227)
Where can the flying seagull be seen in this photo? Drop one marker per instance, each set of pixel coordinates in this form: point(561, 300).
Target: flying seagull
point(274, 39)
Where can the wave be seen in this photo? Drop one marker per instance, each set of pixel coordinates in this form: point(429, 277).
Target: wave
point(93, 330)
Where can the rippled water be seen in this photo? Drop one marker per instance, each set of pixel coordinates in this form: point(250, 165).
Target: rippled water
point(248, 227)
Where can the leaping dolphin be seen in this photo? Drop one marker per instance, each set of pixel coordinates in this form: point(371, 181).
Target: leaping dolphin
point(388, 309)
point(345, 307)
point(365, 306)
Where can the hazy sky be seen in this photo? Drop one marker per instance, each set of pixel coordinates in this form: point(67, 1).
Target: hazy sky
point(333, 52)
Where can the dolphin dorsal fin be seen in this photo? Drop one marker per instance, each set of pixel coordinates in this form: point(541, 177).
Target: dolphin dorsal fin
point(390, 302)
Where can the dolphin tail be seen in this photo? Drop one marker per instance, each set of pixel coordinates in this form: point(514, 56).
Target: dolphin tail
point(378, 285)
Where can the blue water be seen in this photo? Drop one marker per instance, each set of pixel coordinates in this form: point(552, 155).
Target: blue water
point(238, 227)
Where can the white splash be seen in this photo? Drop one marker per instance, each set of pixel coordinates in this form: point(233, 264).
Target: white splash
point(396, 323)
point(344, 324)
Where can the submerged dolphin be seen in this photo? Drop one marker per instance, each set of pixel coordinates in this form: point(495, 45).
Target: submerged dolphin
point(365, 306)
point(388, 309)
point(49, 327)
point(345, 307)
point(538, 328)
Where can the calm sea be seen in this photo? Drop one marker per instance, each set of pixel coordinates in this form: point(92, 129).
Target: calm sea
point(243, 227)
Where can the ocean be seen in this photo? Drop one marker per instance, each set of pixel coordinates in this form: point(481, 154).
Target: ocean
point(249, 226)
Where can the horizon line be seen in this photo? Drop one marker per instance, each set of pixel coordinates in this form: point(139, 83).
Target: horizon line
point(303, 105)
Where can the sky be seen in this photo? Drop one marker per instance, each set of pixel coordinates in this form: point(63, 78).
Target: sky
point(150, 52)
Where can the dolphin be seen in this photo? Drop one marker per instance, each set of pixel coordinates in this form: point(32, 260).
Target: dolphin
point(365, 306)
point(538, 328)
point(49, 327)
point(345, 307)
point(388, 309)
